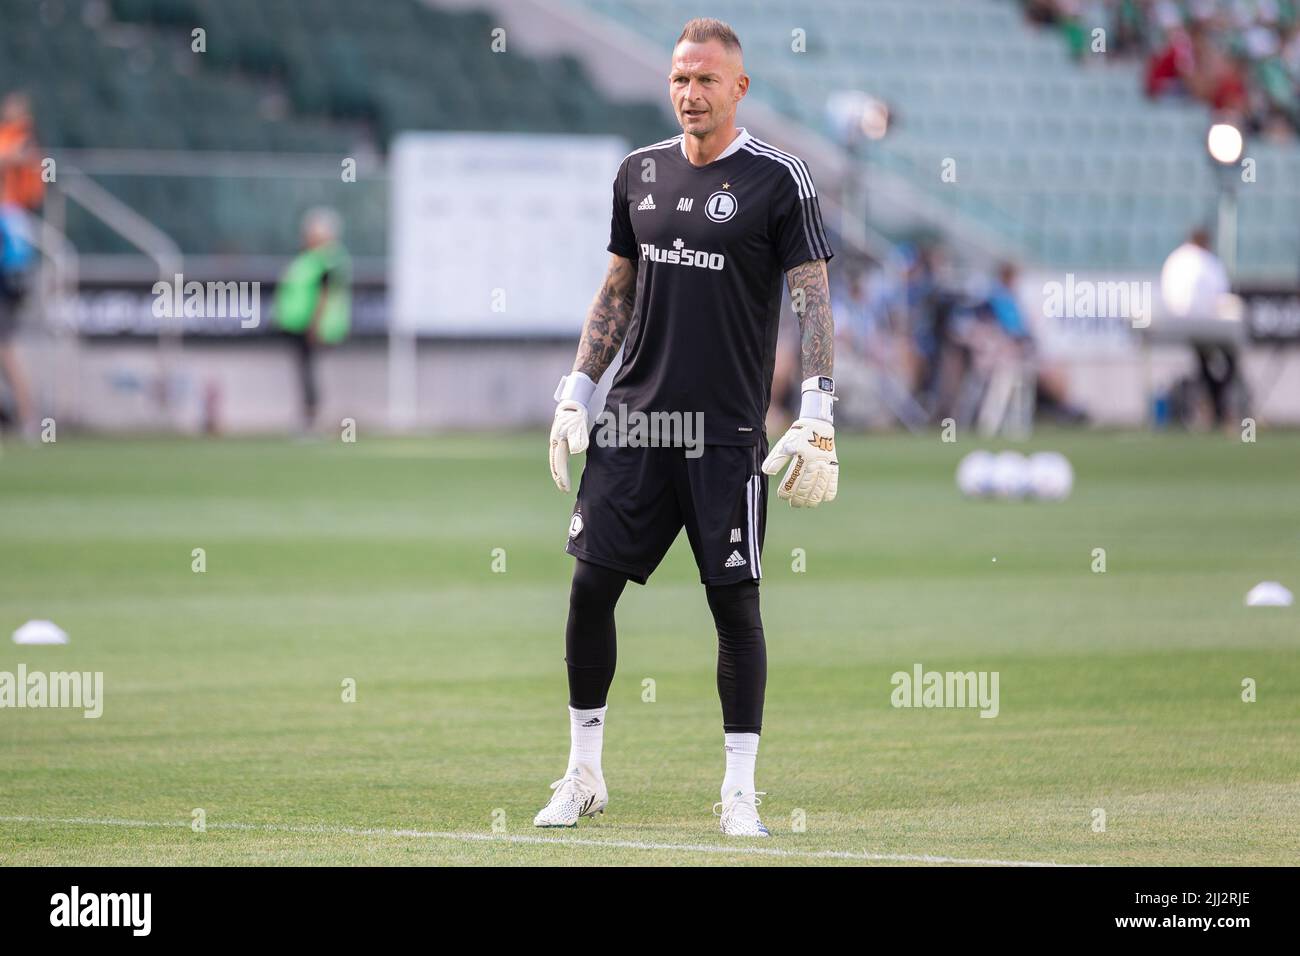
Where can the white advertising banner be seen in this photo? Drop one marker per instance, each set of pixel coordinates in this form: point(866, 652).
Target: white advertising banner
point(1088, 314)
point(498, 233)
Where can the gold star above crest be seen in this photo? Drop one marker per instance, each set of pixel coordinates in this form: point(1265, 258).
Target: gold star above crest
point(726, 185)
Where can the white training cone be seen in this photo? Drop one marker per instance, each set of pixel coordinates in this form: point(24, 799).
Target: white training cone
point(1269, 594)
point(40, 632)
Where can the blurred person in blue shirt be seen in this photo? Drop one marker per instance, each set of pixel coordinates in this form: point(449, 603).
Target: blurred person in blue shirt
point(1003, 305)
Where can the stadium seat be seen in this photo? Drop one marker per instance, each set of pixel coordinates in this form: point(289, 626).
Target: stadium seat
point(971, 74)
point(260, 86)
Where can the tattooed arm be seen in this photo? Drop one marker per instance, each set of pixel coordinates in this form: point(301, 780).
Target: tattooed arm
point(607, 319)
point(602, 335)
point(811, 297)
point(809, 446)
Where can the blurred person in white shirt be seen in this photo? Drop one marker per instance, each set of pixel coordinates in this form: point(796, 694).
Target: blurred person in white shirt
point(1193, 282)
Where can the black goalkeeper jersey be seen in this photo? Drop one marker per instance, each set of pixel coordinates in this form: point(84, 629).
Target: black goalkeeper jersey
point(712, 245)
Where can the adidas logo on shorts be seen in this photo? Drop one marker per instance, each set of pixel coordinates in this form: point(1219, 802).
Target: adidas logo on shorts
point(647, 203)
point(735, 561)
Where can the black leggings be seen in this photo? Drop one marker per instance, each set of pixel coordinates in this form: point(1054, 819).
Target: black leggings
point(305, 355)
point(590, 648)
point(590, 644)
point(1218, 369)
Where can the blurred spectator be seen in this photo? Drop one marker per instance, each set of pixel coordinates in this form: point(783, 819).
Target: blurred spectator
point(925, 305)
point(313, 300)
point(21, 193)
point(871, 321)
point(1239, 57)
point(1193, 279)
point(1170, 67)
point(875, 356)
point(1217, 76)
point(915, 345)
point(1051, 384)
point(1193, 283)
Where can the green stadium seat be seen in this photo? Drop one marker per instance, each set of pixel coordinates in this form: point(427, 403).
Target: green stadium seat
point(347, 71)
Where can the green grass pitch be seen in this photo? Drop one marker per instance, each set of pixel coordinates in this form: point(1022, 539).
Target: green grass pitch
point(1119, 691)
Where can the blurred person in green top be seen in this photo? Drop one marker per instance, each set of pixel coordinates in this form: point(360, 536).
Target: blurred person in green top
point(313, 301)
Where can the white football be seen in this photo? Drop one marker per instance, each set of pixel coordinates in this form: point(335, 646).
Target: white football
point(1050, 476)
point(1010, 475)
point(975, 474)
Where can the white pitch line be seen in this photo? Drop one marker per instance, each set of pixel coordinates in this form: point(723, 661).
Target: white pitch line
point(543, 840)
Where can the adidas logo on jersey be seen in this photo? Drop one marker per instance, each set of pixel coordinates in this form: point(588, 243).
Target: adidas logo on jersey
point(647, 203)
point(735, 561)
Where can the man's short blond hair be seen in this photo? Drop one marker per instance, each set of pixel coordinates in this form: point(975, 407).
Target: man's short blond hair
point(704, 29)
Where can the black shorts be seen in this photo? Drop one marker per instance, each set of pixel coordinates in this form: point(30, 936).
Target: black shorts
point(632, 502)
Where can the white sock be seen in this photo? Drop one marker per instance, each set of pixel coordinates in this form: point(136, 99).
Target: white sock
point(586, 736)
point(742, 754)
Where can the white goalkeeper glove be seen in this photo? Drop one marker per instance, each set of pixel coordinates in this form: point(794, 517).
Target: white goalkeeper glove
point(570, 429)
point(814, 473)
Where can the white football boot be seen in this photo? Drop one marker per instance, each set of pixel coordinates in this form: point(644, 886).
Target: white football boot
point(739, 815)
point(579, 793)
